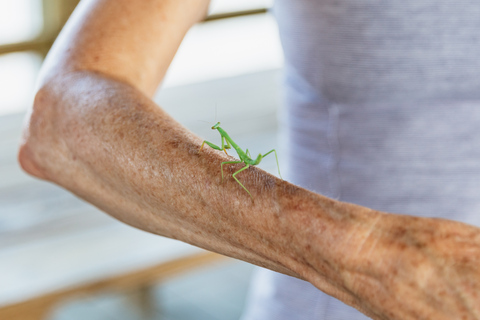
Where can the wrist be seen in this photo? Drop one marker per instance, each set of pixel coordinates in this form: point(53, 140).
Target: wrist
point(335, 245)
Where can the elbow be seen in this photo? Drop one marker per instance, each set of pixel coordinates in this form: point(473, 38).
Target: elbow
point(27, 162)
point(35, 144)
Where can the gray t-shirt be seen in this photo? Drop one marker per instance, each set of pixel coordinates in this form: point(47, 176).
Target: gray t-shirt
point(382, 109)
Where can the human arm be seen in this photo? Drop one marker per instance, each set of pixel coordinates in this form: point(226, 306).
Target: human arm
point(95, 131)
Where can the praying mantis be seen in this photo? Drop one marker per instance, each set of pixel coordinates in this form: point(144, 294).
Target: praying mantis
point(245, 157)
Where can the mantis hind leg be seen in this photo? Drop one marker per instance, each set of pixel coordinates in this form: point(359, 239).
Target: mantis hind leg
point(276, 158)
point(244, 168)
point(227, 162)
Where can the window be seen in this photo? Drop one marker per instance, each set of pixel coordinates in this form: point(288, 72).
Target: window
point(234, 7)
point(238, 37)
point(27, 30)
point(20, 20)
point(219, 48)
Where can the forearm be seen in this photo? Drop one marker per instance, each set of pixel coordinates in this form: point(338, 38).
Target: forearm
point(119, 151)
point(111, 145)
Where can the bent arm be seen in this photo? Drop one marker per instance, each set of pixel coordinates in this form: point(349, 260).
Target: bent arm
point(131, 41)
point(94, 130)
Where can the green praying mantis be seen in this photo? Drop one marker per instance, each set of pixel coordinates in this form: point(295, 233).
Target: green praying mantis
point(245, 157)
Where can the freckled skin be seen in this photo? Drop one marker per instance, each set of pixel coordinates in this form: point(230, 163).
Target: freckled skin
point(95, 131)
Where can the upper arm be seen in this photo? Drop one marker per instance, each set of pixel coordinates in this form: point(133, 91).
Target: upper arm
point(132, 41)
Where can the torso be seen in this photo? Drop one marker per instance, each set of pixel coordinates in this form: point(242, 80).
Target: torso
point(382, 109)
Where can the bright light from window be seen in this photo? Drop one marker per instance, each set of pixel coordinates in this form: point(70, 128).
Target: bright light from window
point(226, 48)
point(222, 6)
point(18, 72)
point(20, 20)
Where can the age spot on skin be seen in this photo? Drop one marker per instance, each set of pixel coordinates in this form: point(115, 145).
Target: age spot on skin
point(399, 232)
point(174, 143)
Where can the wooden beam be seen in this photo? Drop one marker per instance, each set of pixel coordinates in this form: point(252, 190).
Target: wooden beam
point(56, 16)
point(234, 14)
point(37, 308)
point(41, 46)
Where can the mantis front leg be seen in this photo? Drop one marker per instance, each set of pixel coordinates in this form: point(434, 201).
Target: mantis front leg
point(226, 145)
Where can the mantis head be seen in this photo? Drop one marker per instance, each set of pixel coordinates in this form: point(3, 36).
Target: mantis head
point(216, 126)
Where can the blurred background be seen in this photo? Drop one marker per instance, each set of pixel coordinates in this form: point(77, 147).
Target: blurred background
point(61, 258)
